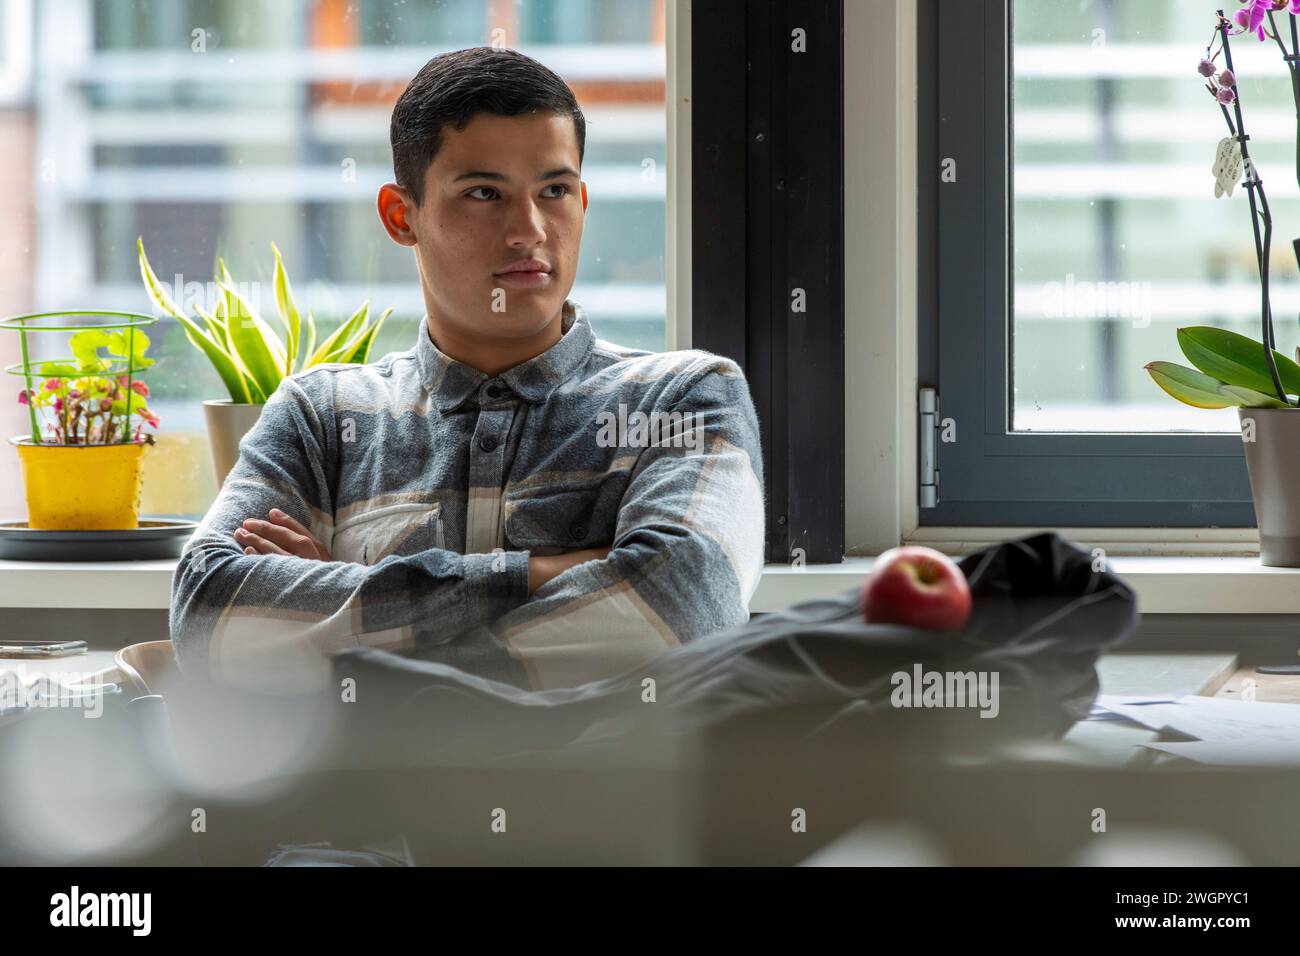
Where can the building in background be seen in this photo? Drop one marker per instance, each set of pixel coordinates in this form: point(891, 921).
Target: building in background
point(1118, 239)
point(213, 127)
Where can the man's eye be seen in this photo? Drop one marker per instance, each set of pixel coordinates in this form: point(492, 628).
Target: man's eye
point(564, 190)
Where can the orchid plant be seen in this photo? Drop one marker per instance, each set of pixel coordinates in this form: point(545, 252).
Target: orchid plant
point(1233, 369)
point(88, 403)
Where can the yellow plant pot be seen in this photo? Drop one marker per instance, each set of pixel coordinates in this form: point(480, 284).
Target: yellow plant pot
point(81, 487)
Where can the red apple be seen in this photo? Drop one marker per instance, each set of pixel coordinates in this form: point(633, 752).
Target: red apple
point(916, 587)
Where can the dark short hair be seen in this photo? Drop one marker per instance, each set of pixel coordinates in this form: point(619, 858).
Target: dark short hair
point(454, 86)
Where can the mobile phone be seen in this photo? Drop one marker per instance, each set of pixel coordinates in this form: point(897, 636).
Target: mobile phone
point(10, 648)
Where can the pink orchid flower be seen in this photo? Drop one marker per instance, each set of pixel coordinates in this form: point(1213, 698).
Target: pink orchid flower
point(1251, 17)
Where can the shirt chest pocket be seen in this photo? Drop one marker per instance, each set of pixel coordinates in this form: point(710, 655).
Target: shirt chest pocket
point(564, 519)
point(401, 529)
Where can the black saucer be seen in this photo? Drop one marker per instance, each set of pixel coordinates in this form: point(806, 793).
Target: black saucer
point(155, 538)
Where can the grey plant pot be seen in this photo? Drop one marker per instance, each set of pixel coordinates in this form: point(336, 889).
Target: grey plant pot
point(1271, 439)
point(227, 424)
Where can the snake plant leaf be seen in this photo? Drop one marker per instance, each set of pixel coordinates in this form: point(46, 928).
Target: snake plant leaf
point(1249, 398)
point(213, 346)
point(156, 290)
point(216, 327)
point(359, 351)
point(259, 349)
point(287, 310)
point(341, 338)
point(1236, 359)
point(248, 355)
point(311, 337)
point(209, 344)
point(363, 355)
point(243, 391)
point(255, 393)
point(1189, 386)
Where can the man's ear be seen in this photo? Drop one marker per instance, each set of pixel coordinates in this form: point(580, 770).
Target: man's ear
point(395, 209)
point(584, 195)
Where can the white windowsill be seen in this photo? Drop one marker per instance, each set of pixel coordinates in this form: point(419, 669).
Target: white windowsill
point(1164, 585)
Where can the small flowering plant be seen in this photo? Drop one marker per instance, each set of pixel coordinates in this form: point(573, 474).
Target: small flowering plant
point(1232, 369)
point(90, 402)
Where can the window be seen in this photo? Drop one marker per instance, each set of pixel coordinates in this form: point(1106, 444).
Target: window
point(212, 127)
point(1068, 226)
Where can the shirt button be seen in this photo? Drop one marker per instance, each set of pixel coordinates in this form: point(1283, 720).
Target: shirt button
point(494, 391)
point(578, 532)
point(488, 443)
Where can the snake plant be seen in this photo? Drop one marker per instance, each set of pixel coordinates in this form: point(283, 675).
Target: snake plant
point(247, 353)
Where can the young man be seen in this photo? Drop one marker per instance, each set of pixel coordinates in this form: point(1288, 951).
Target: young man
point(511, 496)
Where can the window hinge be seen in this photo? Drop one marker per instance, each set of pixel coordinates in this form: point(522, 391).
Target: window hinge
point(928, 495)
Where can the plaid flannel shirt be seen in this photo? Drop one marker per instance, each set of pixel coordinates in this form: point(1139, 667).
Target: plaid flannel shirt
point(431, 483)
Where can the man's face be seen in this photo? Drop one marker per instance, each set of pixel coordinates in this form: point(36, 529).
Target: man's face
point(501, 190)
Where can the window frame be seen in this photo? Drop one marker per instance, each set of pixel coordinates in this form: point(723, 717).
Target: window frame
point(767, 218)
point(15, 53)
point(989, 475)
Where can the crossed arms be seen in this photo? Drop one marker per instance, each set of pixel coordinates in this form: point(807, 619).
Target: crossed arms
point(281, 533)
point(265, 612)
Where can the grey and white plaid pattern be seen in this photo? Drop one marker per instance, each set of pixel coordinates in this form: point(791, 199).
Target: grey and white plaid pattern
point(431, 483)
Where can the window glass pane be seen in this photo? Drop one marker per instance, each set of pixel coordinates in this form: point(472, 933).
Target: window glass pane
point(214, 127)
point(1118, 238)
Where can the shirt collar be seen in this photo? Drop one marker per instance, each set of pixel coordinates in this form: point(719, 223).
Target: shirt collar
point(451, 383)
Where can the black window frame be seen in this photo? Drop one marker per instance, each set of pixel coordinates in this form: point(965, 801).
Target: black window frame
point(989, 475)
point(767, 170)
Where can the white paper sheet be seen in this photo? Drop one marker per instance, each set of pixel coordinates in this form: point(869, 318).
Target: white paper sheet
point(1235, 753)
point(1218, 719)
point(1103, 708)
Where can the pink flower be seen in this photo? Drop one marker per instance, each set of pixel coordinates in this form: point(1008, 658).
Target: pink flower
point(58, 404)
point(1251, 17)
point(1227, 79)
point(51, 384)
point(1206, 68)
point(1225, 96)
point(140, 388)
point(22, 396)
point(105, 404)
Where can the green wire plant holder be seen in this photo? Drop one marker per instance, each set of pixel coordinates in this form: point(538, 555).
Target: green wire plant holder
point(69, 368)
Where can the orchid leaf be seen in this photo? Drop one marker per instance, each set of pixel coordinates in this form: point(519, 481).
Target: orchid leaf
point(1188, 385)
point(1236, 359)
